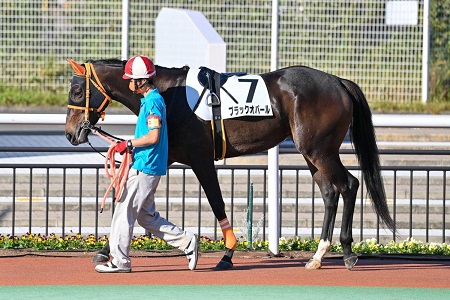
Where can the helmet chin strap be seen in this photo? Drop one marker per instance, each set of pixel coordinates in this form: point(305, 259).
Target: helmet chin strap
point(138, 87)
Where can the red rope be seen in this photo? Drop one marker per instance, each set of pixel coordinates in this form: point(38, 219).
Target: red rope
point(118, 176)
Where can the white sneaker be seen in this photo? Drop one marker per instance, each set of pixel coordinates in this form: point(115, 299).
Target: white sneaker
point(192, 252)
point(111, 268)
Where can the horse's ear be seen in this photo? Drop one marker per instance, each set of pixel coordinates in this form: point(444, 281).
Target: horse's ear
point(79, 69)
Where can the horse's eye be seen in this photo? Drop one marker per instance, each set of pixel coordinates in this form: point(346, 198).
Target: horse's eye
point(76, 93)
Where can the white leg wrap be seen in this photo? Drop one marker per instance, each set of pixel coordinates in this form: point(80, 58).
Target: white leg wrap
point(324, 247)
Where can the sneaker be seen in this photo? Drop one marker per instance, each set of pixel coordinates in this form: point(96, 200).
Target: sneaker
point(111, 268)
point(192, 252)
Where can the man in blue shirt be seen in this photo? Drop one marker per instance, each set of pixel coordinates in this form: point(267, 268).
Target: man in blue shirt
point(149, 163)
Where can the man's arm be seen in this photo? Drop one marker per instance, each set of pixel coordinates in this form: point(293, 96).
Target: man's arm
point(152, 137)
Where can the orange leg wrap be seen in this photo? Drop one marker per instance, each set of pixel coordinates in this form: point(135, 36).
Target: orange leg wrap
point(228, 234)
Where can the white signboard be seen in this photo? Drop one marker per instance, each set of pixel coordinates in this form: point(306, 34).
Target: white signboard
point(402, 12)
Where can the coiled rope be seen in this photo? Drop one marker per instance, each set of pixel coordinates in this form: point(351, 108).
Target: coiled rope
point(118, 176)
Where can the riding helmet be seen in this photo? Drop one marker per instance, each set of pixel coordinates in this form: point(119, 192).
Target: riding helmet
point(139, 67)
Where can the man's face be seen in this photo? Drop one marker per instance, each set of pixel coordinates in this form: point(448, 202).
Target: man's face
point(137, 86)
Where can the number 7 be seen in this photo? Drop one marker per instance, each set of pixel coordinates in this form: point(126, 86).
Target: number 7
point(252, 90)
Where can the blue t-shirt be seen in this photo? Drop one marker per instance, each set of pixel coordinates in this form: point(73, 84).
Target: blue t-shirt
point(152, 159)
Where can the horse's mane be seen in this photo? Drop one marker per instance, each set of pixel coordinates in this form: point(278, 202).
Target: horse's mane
point(108, 62)
point(117, 62)
point(173, 69)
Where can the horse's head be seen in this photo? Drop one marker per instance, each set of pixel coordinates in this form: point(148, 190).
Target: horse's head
point(92, 89)
point(87, 102)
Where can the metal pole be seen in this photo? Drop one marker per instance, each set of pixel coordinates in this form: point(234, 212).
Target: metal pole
point(272, 158)
point(125, 25)
point(250, 218)
point(426, 51)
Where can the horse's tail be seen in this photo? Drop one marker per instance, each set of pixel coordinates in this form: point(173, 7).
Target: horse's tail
point(362, 134)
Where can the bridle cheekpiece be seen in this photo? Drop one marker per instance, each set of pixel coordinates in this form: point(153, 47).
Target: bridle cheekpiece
point(88, 74)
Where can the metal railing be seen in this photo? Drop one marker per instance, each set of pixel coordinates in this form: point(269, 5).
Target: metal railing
point(64, 199)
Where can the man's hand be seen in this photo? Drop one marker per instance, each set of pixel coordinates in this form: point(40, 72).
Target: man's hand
point(121, 147)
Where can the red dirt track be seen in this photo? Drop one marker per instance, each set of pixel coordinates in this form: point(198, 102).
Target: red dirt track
point(248, 270)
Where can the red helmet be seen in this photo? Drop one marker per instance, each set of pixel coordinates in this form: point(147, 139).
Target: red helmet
point(139, 67)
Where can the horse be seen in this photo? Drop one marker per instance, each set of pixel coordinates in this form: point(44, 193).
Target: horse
point(313, 108)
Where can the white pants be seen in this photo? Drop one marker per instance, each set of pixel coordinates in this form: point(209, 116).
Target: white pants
point(138, 203)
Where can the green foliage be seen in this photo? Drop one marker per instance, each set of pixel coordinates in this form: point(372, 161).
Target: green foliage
point(409, 246)
point(440, 50)
point(78, 242)
point(10, 96)
point(433, 106)
point(18, 97)
point(51, 242)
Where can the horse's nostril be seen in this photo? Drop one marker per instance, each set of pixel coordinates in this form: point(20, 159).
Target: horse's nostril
point(69, 137)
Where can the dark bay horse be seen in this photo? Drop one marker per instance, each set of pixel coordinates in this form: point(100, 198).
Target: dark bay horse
point(314, 108)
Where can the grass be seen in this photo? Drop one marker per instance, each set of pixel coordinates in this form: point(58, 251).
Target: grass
point(432, 107)
point(16, 97)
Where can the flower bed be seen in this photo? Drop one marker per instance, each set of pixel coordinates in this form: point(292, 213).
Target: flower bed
point(78, 242)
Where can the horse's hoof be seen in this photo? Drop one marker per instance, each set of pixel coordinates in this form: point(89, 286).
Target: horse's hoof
point(100, 258)
point(313, 264)
point(350, 261)
point(223, 265)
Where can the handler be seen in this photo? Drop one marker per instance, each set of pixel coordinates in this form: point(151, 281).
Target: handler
point(149, 163)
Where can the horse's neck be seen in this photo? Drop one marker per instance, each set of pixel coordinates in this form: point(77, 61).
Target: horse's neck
point(167, 80)
point(133, 103)
point(123, 95)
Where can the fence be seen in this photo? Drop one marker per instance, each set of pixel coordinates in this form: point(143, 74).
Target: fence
point(352, 39)
point(64, 199)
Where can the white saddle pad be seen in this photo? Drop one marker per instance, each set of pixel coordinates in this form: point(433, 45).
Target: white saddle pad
point(247, 96)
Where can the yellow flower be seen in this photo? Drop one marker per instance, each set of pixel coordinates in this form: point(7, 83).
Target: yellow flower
point(432, 246)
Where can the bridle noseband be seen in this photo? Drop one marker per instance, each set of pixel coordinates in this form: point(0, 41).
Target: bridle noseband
point(90, 71)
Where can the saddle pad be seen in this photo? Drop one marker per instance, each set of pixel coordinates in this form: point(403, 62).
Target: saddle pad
point(247, 96)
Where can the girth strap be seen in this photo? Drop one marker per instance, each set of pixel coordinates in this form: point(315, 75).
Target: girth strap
point(218, 131)
point(214, 81)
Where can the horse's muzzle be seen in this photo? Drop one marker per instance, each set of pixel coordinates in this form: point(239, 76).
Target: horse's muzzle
point(77, 138)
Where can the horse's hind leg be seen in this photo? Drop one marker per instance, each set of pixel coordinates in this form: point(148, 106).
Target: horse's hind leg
point(330, 197)
point(333, 179)
point(346, 236)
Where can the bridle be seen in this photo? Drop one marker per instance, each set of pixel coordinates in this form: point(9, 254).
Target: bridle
point(90, 71)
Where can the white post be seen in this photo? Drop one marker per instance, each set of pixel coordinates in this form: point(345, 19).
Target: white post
point(125, 25)
point(426, 51)
point(272, 156)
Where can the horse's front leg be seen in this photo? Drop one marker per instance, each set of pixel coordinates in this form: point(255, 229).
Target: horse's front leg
point(207, 176)
point(102, 255)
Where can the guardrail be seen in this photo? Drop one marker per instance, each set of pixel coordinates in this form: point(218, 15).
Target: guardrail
point(64, 198)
